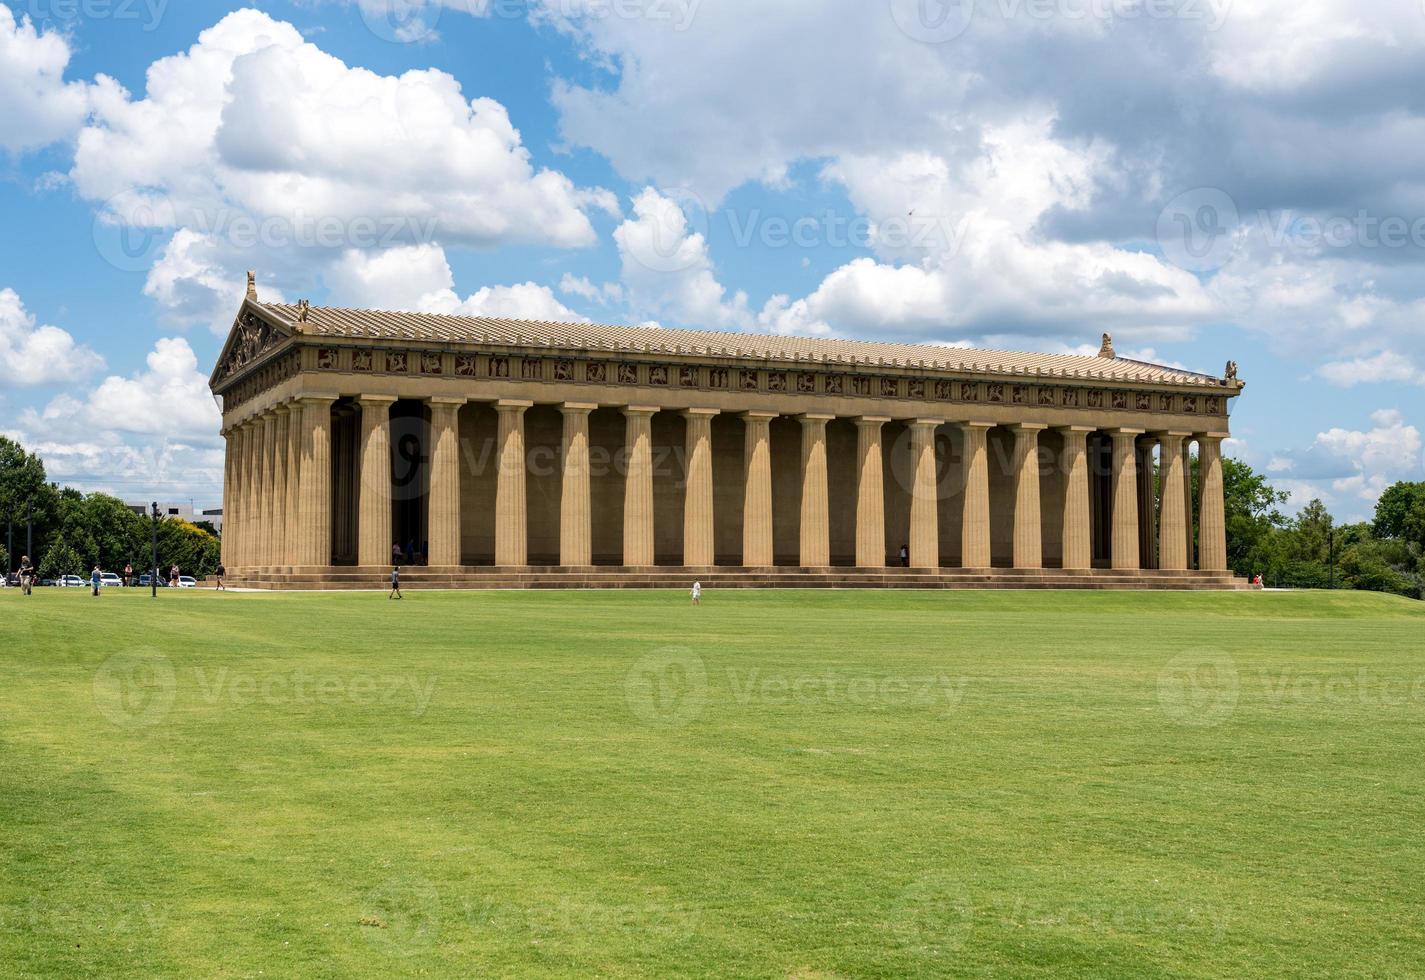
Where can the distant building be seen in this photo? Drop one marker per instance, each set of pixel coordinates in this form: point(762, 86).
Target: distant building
point(185, 512)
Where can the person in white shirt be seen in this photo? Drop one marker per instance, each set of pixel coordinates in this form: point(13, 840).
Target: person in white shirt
point(697, 593)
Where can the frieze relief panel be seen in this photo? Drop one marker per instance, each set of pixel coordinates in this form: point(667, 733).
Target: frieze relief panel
point(255, 337)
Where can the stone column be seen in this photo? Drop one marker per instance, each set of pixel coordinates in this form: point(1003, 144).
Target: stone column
point(975, 524)
point(232, 507)
point(815, 516)
point(373, 524)
point(638, 486)
point(443, 522)
point(315, 535)
point(924, 512)
point(511, 517)
point(757, 496)
point(1028, 522)
point(698, 546)
point(293, 508)
point(1172, 553)
point(1125, 498)
point(1188, 539)
point(575, 527)
point(262, 489)
point(1212, 525)
point(1147, 503)
point(1078, 525)
point(277, 546)
point(870, 493)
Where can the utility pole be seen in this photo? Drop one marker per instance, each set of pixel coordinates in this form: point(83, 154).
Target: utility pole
point(30, 528)
point(9, 538)
point(153, 578)
point(1331, 557)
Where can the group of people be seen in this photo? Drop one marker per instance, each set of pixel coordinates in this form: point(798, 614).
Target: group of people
point(408, 555)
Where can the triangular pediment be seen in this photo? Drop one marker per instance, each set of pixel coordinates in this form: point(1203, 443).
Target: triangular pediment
point(255, 333)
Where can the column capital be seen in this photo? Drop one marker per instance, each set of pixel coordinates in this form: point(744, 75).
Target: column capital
point(814, 418)
point(577, 408)
point(447, 401)
point(1125, 433)
point(640, 410)
point(315, 399)
point(1076, 429)
point(932, 423)
point(982, 426)
point(1210, 437)
point(688, 413)
point(1027, 426)
point(376, 399)
point(512, 405)
point(871, 420)
point(281, 408)
point(1170, 434)
point(757, 415)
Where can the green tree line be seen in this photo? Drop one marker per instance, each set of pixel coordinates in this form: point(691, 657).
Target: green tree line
point(74, 531)
point(1312, 551)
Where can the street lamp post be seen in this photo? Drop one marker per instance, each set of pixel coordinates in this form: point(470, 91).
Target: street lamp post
point(1331, 557)
point(30, 528)
point(153, 575)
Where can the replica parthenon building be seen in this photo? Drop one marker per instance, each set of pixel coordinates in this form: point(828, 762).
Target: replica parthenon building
point(529, 453)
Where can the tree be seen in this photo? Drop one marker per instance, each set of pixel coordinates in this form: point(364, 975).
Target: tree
point(1400, 513)
point(61, 559)
point(4, 561)
point(192, 549)
point(1250, 509)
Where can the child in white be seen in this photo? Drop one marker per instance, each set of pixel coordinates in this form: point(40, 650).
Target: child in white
point(697, 592)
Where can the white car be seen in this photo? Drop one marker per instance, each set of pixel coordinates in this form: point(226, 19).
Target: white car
point(187, 582)
point(110, 581)
point(71, 582)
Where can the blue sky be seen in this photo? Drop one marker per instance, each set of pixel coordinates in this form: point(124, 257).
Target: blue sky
point(1206, 180)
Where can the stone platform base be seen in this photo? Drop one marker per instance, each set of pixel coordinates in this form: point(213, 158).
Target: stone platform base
point(728, 577)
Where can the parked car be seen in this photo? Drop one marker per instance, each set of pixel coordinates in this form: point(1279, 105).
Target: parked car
point(187, 582)
point(71, 582)
point(110, 581)
point(48, 581)
point(145, 579)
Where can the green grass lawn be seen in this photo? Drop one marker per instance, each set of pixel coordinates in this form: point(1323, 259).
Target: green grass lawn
point(808, 784)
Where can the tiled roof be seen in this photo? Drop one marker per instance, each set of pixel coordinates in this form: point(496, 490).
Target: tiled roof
point(491, 331)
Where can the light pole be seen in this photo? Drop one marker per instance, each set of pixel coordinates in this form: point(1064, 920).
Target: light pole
point(153, 577)
point(30, 528)
point(9, 539)
point(1331, 557)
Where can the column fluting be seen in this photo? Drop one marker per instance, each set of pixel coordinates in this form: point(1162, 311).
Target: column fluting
point(1172, 554)
point(1212, 526)
point(815, 508)
point(638, 486)
point(1028, 522)
point(316, 525)
point(374, 535)
point(443, 522)
point(757, 494)
point(975, 524)
point(698, 540)
point(511, 516)
point(870, 493)
point(1125, 498)
point(1078, 525)
point(575, 520)
point(924, 496)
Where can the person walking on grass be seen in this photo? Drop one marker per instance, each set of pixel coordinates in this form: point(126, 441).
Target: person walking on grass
point(221, 574)
point(395, 583)
point(697, 593)
point(95, 579)
point(27, 576)
point(173, 577)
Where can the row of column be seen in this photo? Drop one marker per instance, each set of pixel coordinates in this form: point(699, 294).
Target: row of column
point(278, 492)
